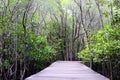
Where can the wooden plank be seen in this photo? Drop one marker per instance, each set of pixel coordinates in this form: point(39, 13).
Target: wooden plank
point(67, 70)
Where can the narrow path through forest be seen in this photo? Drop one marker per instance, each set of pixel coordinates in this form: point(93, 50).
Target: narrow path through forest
point(67, 70)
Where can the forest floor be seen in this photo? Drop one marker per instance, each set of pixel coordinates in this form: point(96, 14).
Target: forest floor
point(67, 70)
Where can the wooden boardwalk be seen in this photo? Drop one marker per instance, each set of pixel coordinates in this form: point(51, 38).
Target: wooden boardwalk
point(67, 70)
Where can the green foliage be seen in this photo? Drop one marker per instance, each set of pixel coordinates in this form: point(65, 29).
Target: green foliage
point(46, 39)
point(6, 64)
point(116, 20)
point(117, 3)
point(54, 38)
point(106, 45)
point(39, 50)
point(85, 54)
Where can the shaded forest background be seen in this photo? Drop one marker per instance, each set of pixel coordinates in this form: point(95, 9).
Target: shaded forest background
point(35, 33)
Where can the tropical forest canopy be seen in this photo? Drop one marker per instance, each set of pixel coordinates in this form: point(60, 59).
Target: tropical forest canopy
point(35, 33)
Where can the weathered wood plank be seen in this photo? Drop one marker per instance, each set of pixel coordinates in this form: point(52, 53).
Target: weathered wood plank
point(67, 70)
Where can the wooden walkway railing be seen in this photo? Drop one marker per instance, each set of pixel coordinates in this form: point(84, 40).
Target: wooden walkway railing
point(67, 70)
